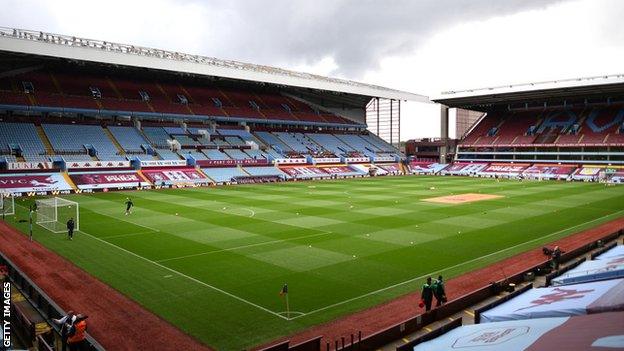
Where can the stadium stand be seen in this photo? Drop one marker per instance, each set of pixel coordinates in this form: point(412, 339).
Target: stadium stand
point(79, 142)
point(264, 171)
point(331, 143)
point(214, 154)
point(129, 138)
point(236, 154)
point(221, 175)
point(21, 138)
point(157, 136)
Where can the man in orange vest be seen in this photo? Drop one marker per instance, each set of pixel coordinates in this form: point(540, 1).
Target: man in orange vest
point(77, 333)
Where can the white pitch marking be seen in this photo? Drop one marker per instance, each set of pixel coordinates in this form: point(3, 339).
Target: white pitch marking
point(125, 220)
point(188, 277)
point(455, 266)
point(243, 247)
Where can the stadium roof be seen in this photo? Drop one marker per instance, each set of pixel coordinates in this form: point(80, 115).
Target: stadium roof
point(80, 49)
point(603, 86)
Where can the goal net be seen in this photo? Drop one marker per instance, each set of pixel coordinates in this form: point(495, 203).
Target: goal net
point(53, 214)
point(7, 204)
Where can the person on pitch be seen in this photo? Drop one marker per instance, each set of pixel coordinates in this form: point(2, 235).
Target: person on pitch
point(70, 228)
point(426, 295)
point(129, 205)
point(438, 291)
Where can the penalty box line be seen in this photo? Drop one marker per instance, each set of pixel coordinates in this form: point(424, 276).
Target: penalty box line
point(243, 247)
point(188, 277)
point(455, 266)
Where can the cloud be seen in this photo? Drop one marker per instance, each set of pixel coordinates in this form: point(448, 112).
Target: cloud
point(354, 34)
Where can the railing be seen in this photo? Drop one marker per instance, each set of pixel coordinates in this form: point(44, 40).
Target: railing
point(44, 305)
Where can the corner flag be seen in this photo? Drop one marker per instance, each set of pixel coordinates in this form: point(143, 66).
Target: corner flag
point(284, 290)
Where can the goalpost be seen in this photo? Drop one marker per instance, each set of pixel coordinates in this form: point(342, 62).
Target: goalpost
point(53, 214)
point(7, 204)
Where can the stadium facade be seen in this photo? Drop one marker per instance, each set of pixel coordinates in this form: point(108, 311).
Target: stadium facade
point(79, 105)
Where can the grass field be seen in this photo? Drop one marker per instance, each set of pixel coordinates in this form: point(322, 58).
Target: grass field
point(212, 260)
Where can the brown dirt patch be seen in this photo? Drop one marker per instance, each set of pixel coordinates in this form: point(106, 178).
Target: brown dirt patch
point(115, 321)
point(382, 316)
point(462, 198)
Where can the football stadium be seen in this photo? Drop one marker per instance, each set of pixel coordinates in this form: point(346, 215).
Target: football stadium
point(182, 202)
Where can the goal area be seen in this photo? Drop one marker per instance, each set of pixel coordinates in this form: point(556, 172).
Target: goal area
point(53, 214)
point(7, 204)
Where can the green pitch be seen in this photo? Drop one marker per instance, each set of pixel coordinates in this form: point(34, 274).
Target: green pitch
point(213, 260)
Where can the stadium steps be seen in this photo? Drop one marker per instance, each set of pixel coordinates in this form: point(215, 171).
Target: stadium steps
point(243, 170)
point(31, 99)
point(150, 106)
point(44, 139)
point(282, 140)
point(188, 108)
point(604, 141)
point(581, 138)
point(514, 139)
point(162, 90)
point(120, 149)
point(143, 177)
point(201, 171)
point(188, 97)
point(69, 180)
point(261, 101)
point(56, 83)
point(557, 139)
point(114, 87)
point(226, 97)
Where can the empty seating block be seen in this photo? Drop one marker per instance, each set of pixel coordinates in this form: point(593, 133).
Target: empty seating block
point(272, 140)
point(221, 175)
point(236, 154)
point(24, 136)
point(167, 154)
point(331, 143)
point(215, 154)
point(264, 171)
point(129, 138)
point(73, 138)
point(157, 136)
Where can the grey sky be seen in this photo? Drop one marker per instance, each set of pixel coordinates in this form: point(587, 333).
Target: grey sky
point(356, 33)
point(421, 46)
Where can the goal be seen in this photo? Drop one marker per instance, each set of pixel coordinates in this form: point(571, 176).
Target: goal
point(53, 214)
point(7, 204)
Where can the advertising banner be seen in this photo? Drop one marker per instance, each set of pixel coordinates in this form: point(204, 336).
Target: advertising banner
point(163, 163)
point(288, 161)
point(98, 164)
point(326, 160)
point(175, 176)
point(304, 172)
point(222, 163)
point(24, 183)
point(28, 165)
point(361, 159)
point(115, 180)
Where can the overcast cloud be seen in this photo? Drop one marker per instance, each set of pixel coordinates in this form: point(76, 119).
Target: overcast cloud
point(421, 46)
point(356, 34)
